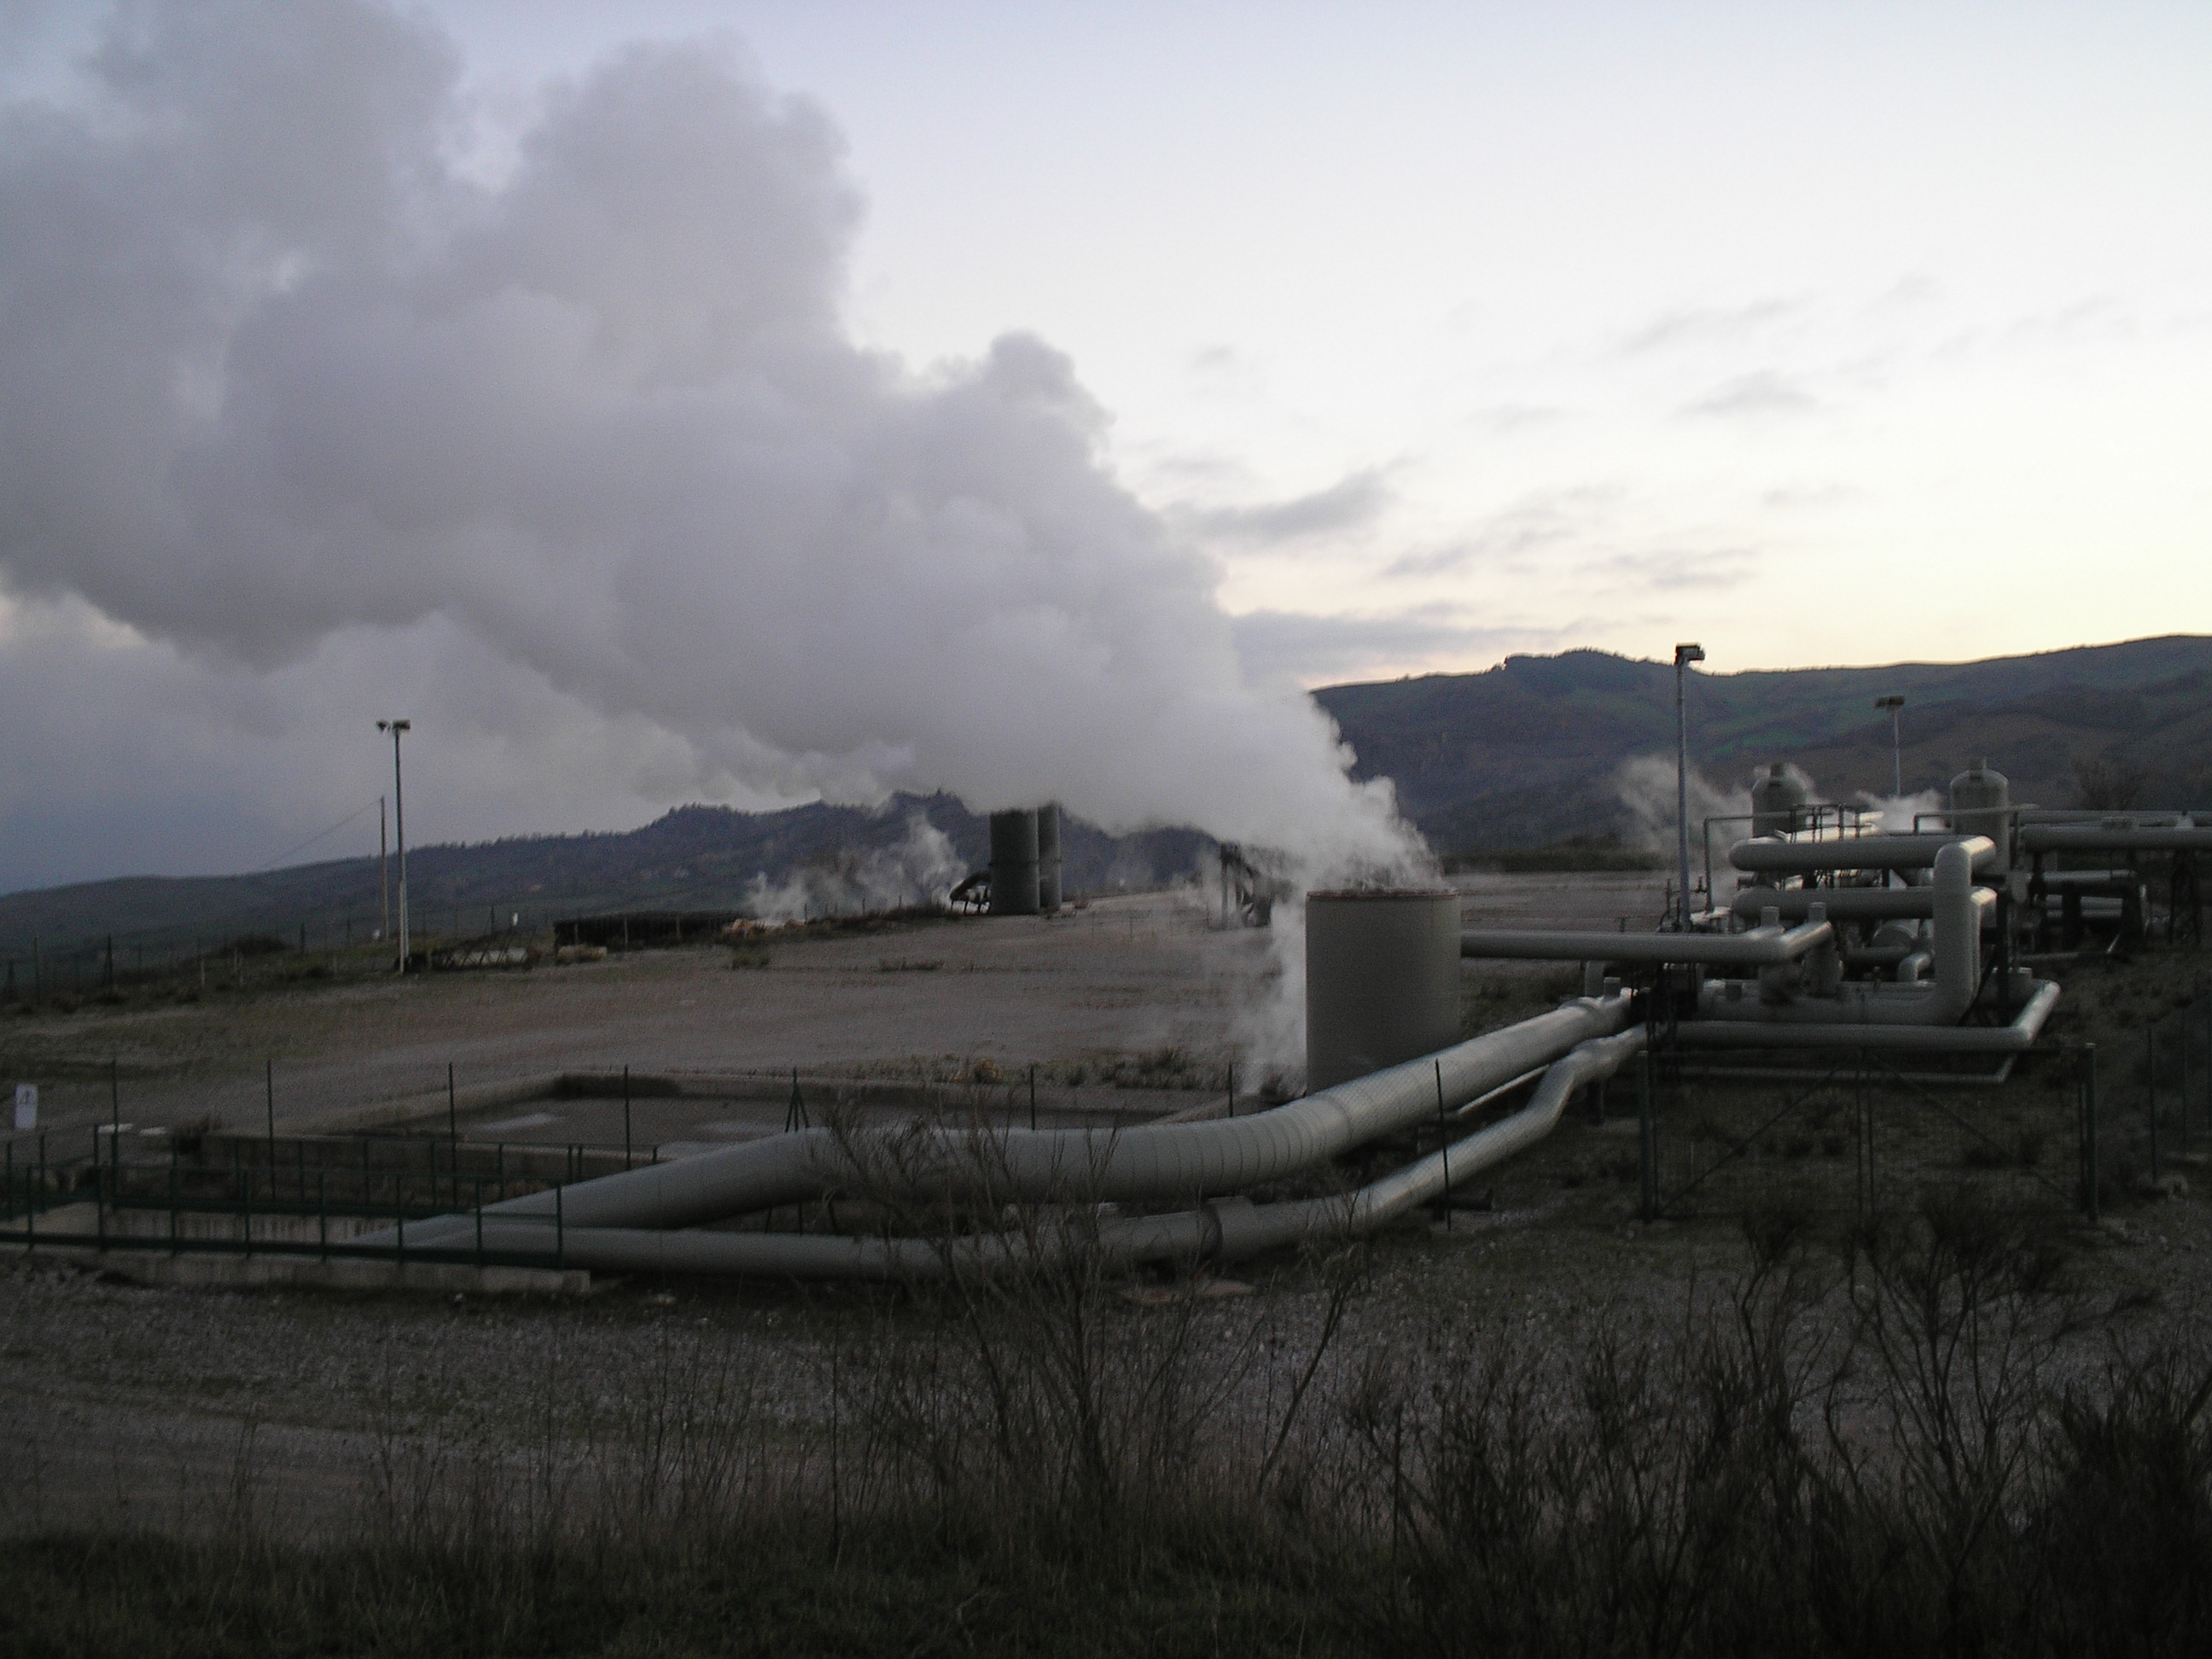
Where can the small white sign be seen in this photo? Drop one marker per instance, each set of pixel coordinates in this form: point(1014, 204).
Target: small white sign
point(27, 1105)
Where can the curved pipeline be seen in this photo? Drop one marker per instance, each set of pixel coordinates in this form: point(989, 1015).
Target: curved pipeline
point(1149, 1163)
point(1227, 1230)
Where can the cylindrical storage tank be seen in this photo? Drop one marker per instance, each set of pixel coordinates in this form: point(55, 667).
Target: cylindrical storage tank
point(1775, 799)
point(1979, 797)
point(1048, 817)
point(1381, 980)
point(1014, 862)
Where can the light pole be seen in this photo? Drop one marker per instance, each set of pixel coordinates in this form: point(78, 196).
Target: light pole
point(1684, 656)
point(399, 827)
point(1893, 703)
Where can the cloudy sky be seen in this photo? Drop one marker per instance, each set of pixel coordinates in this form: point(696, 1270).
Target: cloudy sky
point(675, 401)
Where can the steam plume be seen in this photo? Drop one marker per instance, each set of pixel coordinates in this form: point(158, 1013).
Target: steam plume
point(275, 369)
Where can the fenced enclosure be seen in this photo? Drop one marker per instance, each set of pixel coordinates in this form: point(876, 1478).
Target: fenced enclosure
point(301, 1195)
point(1861, 1132)
point(2177, 1089)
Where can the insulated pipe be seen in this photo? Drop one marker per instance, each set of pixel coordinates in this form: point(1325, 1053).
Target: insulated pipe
point(1842, 904)
point(2100, 838)
point(2026, 1025)
point(1149, 1162)
point(1857, 853)
point(1958, 952)
point(1759, 947)
point(1249, 1229)
point(1226, 1231)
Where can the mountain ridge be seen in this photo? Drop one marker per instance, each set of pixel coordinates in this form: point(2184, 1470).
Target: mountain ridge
point(1526, 754)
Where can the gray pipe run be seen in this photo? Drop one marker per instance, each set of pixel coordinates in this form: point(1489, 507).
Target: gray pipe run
point(1151, 1163)
point(1857, 853)
point(1759, 947)
point(2114, 838)
point(1841, 903)
point(2026, 1026)
point(1225, 1230)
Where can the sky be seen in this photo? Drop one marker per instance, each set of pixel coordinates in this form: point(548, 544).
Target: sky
point(1099, 377)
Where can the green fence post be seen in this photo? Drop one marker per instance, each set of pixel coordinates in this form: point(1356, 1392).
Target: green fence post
point(1866, 1130)
point(173, 1195)
point(625, 1117)
point(560, 1230)
point(1647, 1158)
point(1443, 1145)
point(2089, 1129)
point(479, 1225)
point(322, 1217)
point(2150, 1086)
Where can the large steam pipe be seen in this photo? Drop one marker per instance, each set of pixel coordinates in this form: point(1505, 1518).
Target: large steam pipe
point(1225, 1231)
point(1759, 947)
point(1857, 853)
point(1147, 1163)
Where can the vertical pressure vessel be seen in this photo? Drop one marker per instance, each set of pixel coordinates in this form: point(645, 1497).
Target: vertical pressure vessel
point(1381, 979)
point(1980, 799)
point(1014, 862)
point(1048, 819)
point(1775, 799)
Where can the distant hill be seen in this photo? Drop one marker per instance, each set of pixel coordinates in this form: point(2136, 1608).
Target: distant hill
point(695, 857)
point(1524, 755)
point(1528, 753)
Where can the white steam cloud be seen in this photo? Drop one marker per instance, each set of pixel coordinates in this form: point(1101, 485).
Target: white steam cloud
point(1896, 812)
point(920, 870)
point(1646, 785)
point(279, 373)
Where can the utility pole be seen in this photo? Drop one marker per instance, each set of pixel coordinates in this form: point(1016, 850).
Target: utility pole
point(399, 826)
point(1684, 656)
point(1894, 704)
point(383, 875)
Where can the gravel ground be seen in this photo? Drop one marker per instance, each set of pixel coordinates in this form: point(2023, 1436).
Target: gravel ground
point(185, 1410)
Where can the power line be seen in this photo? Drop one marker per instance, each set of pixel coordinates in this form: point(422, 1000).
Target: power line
point(312, 840)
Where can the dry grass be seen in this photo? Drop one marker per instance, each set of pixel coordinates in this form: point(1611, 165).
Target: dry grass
point(1878, 1441)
